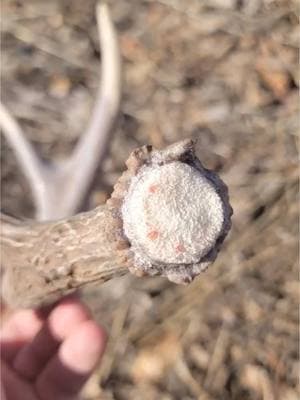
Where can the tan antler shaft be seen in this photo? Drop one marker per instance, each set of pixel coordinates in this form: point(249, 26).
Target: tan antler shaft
point(45, 261)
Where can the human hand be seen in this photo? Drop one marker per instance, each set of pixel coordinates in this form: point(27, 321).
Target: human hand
point(49, 357)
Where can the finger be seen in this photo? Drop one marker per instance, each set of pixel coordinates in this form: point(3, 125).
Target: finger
point(45, 310)
point(12, 387)
point(18, 330)
point(66, 373)
point(62, 321)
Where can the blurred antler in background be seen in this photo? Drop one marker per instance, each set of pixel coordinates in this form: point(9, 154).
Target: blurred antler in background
point(59, 188)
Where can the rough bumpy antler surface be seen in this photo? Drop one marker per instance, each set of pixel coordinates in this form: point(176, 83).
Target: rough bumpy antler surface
point(168, 216)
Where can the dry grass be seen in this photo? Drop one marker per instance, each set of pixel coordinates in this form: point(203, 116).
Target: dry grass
point(226, 73)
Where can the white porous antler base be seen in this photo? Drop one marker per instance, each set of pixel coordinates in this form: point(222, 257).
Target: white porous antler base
point(175, 214)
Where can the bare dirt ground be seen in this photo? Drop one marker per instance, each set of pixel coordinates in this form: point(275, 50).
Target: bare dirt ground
point(226, 73)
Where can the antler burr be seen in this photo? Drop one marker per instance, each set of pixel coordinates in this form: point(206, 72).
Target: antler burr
point(167, 216)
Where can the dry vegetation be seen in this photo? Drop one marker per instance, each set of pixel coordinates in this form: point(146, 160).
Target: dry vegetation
point(224, 72)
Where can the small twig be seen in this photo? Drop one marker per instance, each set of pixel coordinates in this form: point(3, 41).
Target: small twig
point(45, 45)
point(167, 216)
point(59, 189)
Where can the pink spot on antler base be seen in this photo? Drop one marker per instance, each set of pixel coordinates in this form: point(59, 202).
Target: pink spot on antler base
point(152, 235)
point(180, 248)
point(153, 188)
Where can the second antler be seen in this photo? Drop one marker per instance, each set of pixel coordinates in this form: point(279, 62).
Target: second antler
point(59, 189)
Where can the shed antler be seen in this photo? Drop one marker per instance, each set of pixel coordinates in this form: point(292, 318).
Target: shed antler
point(168, 216)
point(59, 189)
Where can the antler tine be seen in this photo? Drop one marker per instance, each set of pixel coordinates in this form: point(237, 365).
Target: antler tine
point(32, 165)
point(59, 189)
point(92, 146)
